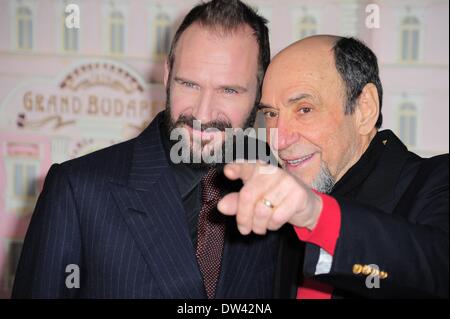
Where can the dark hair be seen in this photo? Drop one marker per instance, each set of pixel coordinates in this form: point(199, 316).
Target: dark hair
point(227, 16)
point(358, 66)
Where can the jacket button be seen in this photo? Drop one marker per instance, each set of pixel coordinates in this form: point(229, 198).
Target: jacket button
point(366, 270)
point(357, 268)
point(375, 272)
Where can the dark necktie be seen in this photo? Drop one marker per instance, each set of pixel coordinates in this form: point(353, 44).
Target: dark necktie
point(211, 231)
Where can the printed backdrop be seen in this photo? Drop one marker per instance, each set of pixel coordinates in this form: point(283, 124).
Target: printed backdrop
point(67, 92)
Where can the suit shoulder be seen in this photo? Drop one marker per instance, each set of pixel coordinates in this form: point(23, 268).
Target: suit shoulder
point(435, 172)
point(108, 161)
point(436, 165)
point(439, 160)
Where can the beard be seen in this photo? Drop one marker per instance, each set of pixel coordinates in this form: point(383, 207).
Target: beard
point(324, 182)
point(197, 148)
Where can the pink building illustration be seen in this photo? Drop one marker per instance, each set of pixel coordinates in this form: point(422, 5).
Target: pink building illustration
point(65, 92)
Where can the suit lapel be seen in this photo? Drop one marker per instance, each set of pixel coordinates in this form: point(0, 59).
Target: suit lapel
point(151, 207)
point(240, 255)
point(229, 250)
point(388, 170)
point(382, 161)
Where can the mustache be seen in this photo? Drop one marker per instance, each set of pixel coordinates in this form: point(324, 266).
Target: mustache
point(189, 121)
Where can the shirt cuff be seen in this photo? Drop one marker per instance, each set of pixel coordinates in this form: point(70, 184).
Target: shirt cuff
point(326, 232)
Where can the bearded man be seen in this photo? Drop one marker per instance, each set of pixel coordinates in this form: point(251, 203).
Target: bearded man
point(137, 221)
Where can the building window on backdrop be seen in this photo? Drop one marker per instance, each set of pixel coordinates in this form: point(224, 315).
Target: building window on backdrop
point(24, 28)
point(161, 37)
point(13, 248)
point(408, 119)
point(70, 37)
point(116, 33)
point(25, 180)
point(410, 39)
point(307, 26)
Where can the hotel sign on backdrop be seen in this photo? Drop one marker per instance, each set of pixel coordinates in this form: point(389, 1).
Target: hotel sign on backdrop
point(96, 103)
point(90, 106)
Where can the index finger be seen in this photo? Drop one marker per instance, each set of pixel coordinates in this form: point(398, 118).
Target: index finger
point(242, 170)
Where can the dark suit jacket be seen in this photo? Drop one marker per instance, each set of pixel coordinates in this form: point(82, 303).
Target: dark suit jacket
point(394, 216)
point(117, 214)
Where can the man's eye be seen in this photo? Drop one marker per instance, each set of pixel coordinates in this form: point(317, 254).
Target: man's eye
point(230, 91)
point(305, 110)
point(188, 84)
point(270, 114)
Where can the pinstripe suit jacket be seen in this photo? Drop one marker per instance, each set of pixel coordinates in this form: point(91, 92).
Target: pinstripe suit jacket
point(118, 215)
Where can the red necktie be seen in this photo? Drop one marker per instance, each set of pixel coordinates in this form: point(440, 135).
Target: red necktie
point(211, 231)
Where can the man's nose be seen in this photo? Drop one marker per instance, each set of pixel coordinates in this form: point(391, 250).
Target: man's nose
point(284, 135)
point(204, 108)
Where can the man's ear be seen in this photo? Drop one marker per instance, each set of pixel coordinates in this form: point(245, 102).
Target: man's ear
point(166, 73)
point(367, 109)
